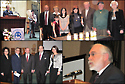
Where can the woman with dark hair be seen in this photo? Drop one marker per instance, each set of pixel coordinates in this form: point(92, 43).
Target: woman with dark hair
point(55, 64)
point(5, 66)
point(116, 22)
point(75, 24)
point(64, 22)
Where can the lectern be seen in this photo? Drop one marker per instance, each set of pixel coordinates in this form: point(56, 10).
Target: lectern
point(75, 81)
point(12, 22)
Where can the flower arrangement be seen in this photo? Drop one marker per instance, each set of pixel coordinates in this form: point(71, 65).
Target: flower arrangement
point(7, 35)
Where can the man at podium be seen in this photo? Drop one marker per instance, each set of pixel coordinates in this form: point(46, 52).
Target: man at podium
point(7, 12)
point(100, 59)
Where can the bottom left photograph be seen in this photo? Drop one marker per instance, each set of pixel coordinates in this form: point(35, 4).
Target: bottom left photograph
point(31, 62)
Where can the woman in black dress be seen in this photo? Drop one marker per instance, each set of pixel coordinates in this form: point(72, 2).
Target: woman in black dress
point(5, 66)
point(75, 21)
point(116, 22)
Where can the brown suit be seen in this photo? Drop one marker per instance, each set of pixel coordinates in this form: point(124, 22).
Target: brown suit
point(89, 19)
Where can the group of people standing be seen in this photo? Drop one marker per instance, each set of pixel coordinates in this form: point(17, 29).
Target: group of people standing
point(42, 64)
point(102, 21)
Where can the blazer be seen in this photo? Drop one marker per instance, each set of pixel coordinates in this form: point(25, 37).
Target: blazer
point(57, 61)
point(119, 20)
point(7, 13)
point(43, 64)
point(50, 19)
point(71, 22)
point(110, 75)
point(89, 19)
point(5, 65)
point(16, 63)
point(27, 66)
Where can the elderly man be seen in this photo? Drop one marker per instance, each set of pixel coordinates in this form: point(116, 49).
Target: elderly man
point(87, 15)
point(45, 22)
point(100, 20)
point(7, 11)
point(100, 59)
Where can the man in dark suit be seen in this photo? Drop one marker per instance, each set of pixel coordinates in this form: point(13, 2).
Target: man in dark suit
point(7, 12)
point(87, 15)
point(45, 22)
point(27, 64)
point(100, 60)
point(16, 65)
point(41, 65)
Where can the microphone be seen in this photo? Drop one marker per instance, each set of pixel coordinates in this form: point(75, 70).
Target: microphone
point(73, 73)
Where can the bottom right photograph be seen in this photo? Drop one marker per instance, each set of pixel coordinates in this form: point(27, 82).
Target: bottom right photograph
point(91, 62)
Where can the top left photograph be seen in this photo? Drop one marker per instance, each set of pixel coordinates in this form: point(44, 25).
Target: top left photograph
point(19, 20)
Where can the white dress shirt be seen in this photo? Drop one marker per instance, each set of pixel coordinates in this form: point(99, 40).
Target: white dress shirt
point(86, 12)
point(28, 56)
point(47, 15)
point(41, 55)
point(100, 72)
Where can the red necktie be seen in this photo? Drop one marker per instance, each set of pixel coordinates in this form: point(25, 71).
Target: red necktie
point(46, 19)
point(27, 58)
point(40, 56)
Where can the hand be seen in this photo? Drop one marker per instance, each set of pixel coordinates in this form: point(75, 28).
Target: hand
point(15, 72)
point(82, 22)
point(94, 28)
point(55, 35)
point(2, 74)
point(41, 29)
point(51, 23)
point(48, 71)
point(32, 71)
point(58, 73)
point(108, 32)
point(22, 71)
point(121, 31)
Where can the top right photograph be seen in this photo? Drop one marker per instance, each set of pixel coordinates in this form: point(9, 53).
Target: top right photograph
point(82, 20)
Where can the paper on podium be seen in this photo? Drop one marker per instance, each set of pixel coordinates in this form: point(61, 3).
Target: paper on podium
point(17, 74)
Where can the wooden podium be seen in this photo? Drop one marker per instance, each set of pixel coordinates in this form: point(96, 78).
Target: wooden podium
point(75, 81)
point(12, 22)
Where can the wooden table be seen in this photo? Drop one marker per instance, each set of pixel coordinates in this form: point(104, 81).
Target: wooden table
point(72, 38)
point(5, 83)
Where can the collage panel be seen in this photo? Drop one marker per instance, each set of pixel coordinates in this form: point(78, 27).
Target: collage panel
point(83, 60)
point(31, 62)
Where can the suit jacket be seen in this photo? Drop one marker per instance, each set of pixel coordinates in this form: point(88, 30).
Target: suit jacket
point(110, 75)
point(43, 64)
point(16, 63)
point(27, 66)
point(57, 61)
point(89, 19)
point(7, 13)
point(50, 19)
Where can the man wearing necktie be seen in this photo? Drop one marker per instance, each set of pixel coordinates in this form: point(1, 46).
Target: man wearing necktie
point(7, 12)
point(27, 63)
point(41, 65)
point(45, 22)
point(100, 60)
point(16, 65)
